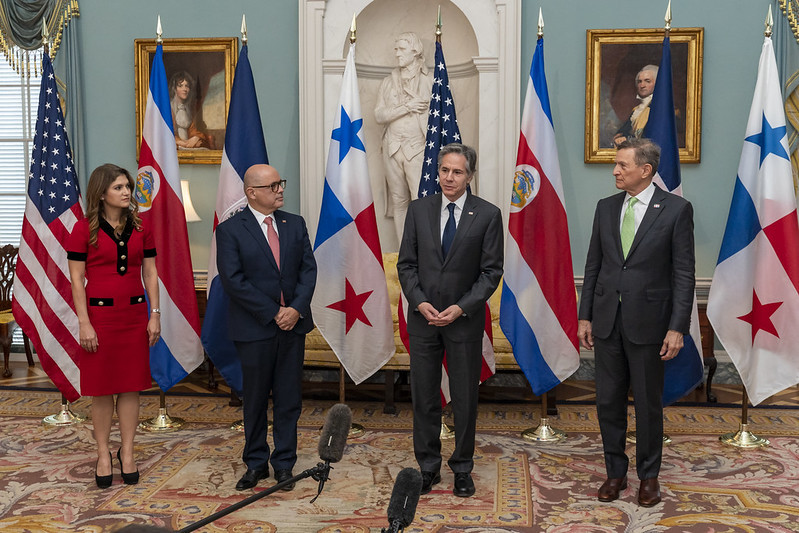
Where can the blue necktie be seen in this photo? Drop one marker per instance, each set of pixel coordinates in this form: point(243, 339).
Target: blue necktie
point(449, 230)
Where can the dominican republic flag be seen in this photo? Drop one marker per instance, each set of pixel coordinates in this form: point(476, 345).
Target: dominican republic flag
point(686, 370)
point(754, 298)
point(538, 313)
point(42, 302)
point(442, 129)
point(350, 305)
point(178, 351)
point(244, 147)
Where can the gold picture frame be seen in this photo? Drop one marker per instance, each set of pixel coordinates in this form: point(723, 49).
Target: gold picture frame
point(206, 67)
point(613, 60)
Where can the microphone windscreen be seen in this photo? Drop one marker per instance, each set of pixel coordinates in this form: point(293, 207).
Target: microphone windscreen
point(405, 497)
point(334, 433)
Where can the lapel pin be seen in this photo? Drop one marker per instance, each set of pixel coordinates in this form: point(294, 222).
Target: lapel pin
point(655, 206)
point(471, 212)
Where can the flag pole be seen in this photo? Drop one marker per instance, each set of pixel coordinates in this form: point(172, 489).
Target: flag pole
point(65, 417)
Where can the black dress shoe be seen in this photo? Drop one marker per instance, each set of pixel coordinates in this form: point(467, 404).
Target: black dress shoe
point(464, 486)
point(128, 478)
point(103, 482)
point(251, 477)
point(283, 475)
point(428, 480)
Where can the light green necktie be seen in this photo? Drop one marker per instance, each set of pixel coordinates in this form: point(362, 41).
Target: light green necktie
point(628, 226)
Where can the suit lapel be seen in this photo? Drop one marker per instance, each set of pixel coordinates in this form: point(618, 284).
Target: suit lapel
point(434, 223)
point(251, 226)
point(282, 235)
point(653, 211)
point(467, 218)
point(615, 212)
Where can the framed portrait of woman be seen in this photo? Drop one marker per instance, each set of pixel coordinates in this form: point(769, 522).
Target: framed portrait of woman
point(199, 75)
point(621, 71)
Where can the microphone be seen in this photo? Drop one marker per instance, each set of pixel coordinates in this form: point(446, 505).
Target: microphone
point(404, 498)
point(332, 441)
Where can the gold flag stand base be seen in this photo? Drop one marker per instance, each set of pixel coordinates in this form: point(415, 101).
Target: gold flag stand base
point(447, 431)
point(631, 438)
point(543, 433)
point(356, 429)
point(162, 422)
point(238, 425)
point(65, 417)
point(743, 438)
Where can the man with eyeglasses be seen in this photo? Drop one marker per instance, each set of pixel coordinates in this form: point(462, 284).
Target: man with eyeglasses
point(268, 270)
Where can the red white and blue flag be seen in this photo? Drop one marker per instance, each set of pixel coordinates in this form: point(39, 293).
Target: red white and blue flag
point(178, 351)
point(754, 298)
point(244, 147)
point(350, 304)
point(442, 129)
point(683, 373)
point(538, 313)
point(42, 302)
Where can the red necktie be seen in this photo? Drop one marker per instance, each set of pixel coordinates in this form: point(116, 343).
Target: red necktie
point(274, 244)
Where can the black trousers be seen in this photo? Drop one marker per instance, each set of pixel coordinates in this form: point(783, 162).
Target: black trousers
point(273, 365)
point(621, 365)
point(464, 362)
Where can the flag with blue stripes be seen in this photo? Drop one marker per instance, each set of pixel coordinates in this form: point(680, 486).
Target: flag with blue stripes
point(244, 147)
point(686, 370)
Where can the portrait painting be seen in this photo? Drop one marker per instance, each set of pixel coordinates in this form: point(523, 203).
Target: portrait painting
point(199, 74)
point(621, 73)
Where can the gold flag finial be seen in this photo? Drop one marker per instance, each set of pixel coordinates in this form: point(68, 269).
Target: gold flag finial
point(668, 17)
point(438, 25)
point(352, 30)
point(769, 23)
point(45, 37)
point(243, 29)
point(540, 24)
point(159, 31)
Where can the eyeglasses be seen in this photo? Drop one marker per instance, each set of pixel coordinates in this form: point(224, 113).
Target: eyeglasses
point(276, 186)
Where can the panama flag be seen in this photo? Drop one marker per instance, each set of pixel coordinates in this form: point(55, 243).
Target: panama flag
point(350, 305)
point(538, 313)
point(244, 147)
point(686, 370)
point(754, 298)
point(178, 351)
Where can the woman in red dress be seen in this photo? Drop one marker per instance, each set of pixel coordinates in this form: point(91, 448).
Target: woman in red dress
point(110, 253)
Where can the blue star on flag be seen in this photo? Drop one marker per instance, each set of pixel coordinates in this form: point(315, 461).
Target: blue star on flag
point(769, 140)
point(347, 135)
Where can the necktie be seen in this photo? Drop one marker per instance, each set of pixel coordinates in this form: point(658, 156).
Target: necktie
point(628, 226)
point(274, 244)
point(449, 231)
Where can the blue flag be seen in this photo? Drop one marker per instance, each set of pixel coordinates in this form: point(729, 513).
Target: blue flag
point(686, 371)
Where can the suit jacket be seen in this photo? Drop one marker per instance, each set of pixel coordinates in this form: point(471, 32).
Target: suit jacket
point(655, 281)
point(252, 281)
point(467, 277)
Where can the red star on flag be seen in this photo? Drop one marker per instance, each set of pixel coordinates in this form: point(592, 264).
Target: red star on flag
point(760, 316)
point(352, 306)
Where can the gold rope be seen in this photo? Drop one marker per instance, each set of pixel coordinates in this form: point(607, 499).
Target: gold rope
point(25, 61)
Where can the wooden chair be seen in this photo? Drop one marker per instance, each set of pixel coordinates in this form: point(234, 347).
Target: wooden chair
point(8, 257)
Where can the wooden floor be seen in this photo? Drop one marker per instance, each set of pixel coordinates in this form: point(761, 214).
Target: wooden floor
point(571, 391)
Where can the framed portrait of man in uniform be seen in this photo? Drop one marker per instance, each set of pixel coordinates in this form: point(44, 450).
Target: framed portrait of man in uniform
point(621, 72)
point(199, 75)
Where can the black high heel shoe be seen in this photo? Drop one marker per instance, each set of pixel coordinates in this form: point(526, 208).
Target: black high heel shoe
point(129, 478)
point(103, 482)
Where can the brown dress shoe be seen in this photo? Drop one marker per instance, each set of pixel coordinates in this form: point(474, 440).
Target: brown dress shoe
point(649, 492)
point(610, 489)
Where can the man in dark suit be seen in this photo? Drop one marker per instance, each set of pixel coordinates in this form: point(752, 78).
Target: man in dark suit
point(636, 308)
point(450, 262)
point(268, 270)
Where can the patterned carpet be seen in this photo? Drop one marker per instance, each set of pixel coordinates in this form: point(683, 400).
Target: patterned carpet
point(46, 474)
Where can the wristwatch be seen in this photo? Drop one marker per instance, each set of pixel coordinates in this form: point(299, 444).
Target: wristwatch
point(156, 310)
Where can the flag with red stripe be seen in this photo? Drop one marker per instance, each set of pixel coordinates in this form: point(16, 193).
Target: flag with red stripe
point(538, 313)
point(42, 302)
point(178, 351)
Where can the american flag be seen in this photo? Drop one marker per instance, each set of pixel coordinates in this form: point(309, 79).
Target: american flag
point(442, 129)
point(42, 301)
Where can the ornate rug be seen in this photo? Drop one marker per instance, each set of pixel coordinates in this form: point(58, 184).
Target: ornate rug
point(47, 484)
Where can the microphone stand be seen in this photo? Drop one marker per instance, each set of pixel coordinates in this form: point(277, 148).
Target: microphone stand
point(320, 473)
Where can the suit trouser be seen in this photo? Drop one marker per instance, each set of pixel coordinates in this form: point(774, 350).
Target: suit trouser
point(272, 365)
point(621, 365)
point(464, 362)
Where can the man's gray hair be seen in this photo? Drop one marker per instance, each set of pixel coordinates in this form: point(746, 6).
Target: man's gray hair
point(466, 151)
point(646, 151)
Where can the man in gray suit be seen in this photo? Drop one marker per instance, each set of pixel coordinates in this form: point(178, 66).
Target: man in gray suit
point(636, 307)
point(450, 262)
